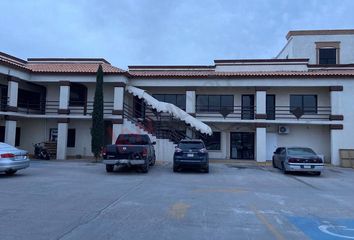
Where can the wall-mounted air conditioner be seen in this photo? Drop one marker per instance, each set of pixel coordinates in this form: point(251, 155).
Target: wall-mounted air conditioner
point(283, 129)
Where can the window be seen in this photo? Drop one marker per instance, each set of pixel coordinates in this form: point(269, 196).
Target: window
point(176, 99)
point(328, 52)
point(327, 56)
point(29, 99)
point(78, 95)
point(215, 103)
point(71, 137)
point(17, 136)
point(306, 103)
point(212, 142)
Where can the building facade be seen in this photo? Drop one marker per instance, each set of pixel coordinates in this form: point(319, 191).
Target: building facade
point(302, 97)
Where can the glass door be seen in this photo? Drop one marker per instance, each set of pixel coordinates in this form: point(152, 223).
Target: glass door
point(242, 145)
point(247, 107)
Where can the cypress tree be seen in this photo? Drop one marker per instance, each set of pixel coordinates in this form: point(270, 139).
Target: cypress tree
point(97, 130)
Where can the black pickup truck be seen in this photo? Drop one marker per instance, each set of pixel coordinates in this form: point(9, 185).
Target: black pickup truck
point(130, 150)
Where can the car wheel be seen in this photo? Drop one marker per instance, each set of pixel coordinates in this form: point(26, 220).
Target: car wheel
point(206, 170)
point(145, 167)
point(10, 172)
point(109, 167)
point(283, 168)
point(317, 173)
point(175, 168)
point(273, 163)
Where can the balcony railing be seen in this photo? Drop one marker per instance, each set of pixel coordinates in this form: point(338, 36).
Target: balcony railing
point(277, 113)
point(51, 107)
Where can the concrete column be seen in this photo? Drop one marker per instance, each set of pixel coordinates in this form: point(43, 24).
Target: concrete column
point(336, 100)
point(261, 98)
point(64, 96)
point(336, 129)
point(261, 144)
point(189, 133)
point(190, 101)
point(335, 140)
point(62, 139)
point(10, 132)
point(12, 94)
point(118, 101)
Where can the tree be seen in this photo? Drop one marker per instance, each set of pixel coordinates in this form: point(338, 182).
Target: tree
point(97, 130)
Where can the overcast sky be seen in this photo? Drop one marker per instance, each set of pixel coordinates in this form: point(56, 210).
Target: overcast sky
point(163, 32)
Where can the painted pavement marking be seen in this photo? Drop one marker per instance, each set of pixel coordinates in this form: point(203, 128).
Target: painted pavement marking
point(325, 229)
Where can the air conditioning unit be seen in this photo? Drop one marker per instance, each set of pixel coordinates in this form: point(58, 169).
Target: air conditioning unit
point(283, 130)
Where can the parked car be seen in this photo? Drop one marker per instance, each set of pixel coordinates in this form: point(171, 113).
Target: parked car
point(12, 159)
point(130, 150)
point(191, 153)
point(297, 159)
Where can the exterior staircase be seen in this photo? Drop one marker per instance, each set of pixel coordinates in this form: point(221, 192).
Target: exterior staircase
point(164, 148)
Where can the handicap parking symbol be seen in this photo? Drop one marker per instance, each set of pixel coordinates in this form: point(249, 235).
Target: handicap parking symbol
point(325, 229)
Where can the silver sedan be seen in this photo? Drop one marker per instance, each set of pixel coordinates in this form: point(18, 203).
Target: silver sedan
point(12, 159)
point(297, 159)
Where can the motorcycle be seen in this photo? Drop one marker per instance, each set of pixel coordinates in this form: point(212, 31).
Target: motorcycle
point(40, 152)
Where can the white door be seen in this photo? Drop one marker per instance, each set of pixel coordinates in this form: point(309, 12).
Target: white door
point(271, 144)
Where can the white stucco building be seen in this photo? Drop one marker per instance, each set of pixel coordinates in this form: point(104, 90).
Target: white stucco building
point(302, 97)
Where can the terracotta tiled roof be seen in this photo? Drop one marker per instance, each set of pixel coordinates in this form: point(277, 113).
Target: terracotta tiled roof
point(258, 74)
point(60, 65)
point(12, 61)
point(72, 68)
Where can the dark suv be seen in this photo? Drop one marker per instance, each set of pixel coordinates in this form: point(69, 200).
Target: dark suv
point(191, 153)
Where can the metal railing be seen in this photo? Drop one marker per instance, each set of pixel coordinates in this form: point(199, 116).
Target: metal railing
point(161, 125)
point(51, 107)
point(277, 113)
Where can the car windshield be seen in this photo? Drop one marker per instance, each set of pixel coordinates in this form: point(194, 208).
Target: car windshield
point(190, 145)
point(301, 151)
point(133, 139)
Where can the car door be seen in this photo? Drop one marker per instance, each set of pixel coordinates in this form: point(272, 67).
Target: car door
point(282, 156)
point(276, 156)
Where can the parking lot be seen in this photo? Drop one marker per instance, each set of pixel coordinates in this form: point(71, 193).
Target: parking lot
point(79, 200)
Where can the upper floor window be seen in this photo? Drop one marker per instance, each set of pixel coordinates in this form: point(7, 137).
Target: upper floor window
point(215, 103)
point(78, 95)
point(327, 56)
point(176, 99)
point(29, 99)
point(327, 53)
point(307, 104)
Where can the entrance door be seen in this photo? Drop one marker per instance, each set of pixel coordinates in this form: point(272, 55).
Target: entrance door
point(242, 145)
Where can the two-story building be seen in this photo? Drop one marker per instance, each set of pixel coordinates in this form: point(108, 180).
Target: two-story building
point(302, 97)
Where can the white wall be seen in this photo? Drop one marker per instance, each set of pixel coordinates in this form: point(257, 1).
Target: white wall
point(34, 131)
point(305, 47)
point(315, 137)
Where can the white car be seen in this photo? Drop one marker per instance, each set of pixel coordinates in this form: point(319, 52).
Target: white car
point(12, 159)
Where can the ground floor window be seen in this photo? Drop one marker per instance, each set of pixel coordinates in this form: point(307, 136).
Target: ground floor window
point(212, 142)
point(71, 137)
point(17, 137)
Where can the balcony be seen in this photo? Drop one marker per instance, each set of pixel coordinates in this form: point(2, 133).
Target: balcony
point(51, 108)
point(320, 113)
